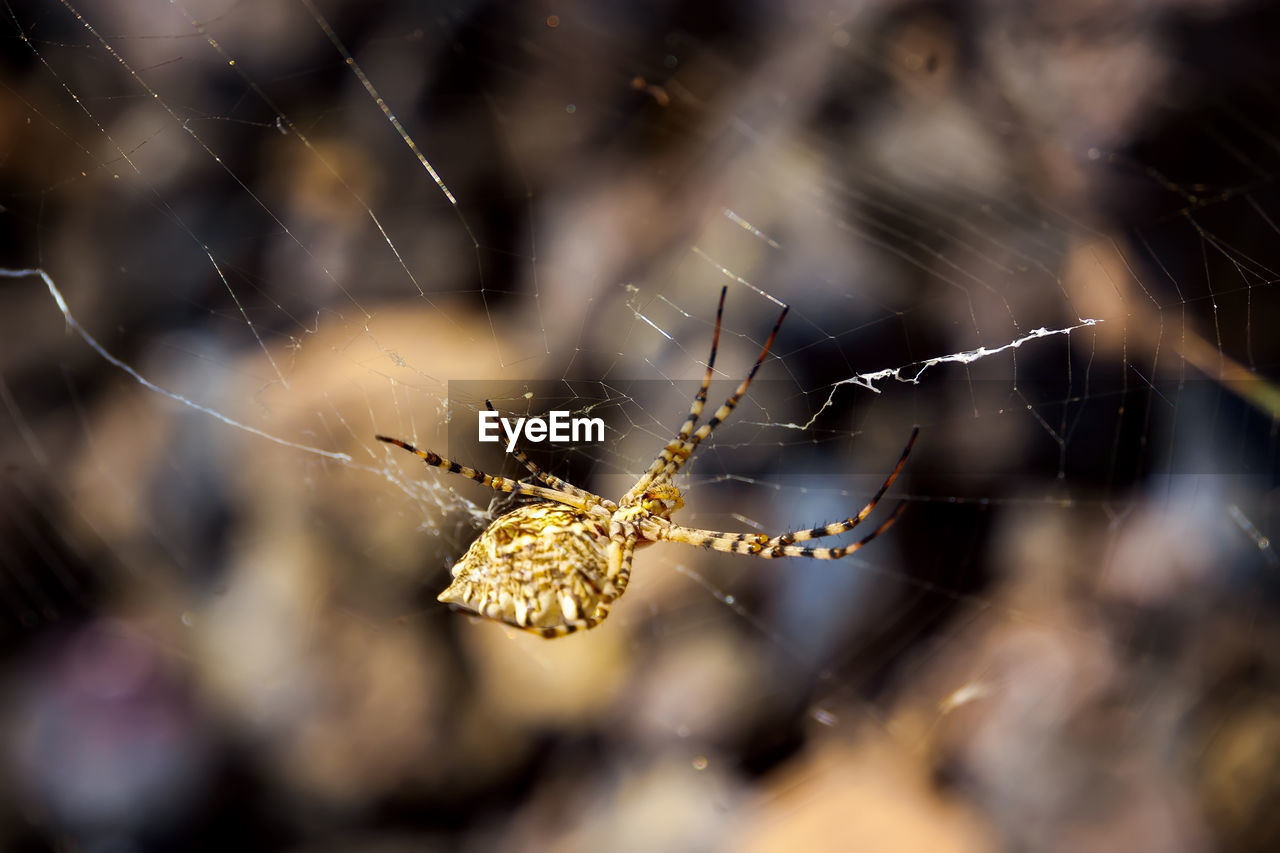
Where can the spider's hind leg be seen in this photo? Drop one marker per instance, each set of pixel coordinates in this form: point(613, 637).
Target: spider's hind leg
point(783, 545)
point(759, 545)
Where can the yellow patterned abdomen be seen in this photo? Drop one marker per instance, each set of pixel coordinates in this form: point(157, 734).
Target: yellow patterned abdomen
point(542, 565)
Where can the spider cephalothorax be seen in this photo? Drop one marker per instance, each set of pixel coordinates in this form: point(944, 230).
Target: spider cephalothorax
point(556, 566)
point(660, 500)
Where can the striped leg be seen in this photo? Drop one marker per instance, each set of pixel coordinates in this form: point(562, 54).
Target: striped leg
point(678, 456)
point(784, 545)
point(761, 546)
point(681, 448)
point(695, 411)
point(501, 484)
point(624, 569)
point(838, 527)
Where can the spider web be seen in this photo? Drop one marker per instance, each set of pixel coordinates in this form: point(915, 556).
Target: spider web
point(242, 239)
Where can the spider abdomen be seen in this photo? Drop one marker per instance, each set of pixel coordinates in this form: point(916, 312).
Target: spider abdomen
point(541, 566)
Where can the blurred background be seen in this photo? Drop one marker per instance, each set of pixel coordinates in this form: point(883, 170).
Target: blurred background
point(256, 234)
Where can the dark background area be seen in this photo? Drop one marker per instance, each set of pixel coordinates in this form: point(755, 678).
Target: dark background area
point(215, 638)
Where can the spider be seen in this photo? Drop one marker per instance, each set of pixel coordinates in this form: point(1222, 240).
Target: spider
point(556, 566)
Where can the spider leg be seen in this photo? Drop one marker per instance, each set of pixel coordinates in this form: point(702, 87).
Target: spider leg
point(758, 545)
point(695, 411)
point(501, 484)
point(678, 451)
point(838, 527)
point(681, 455)
point(783, 545)
point(623, 576)
point(550, 479)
